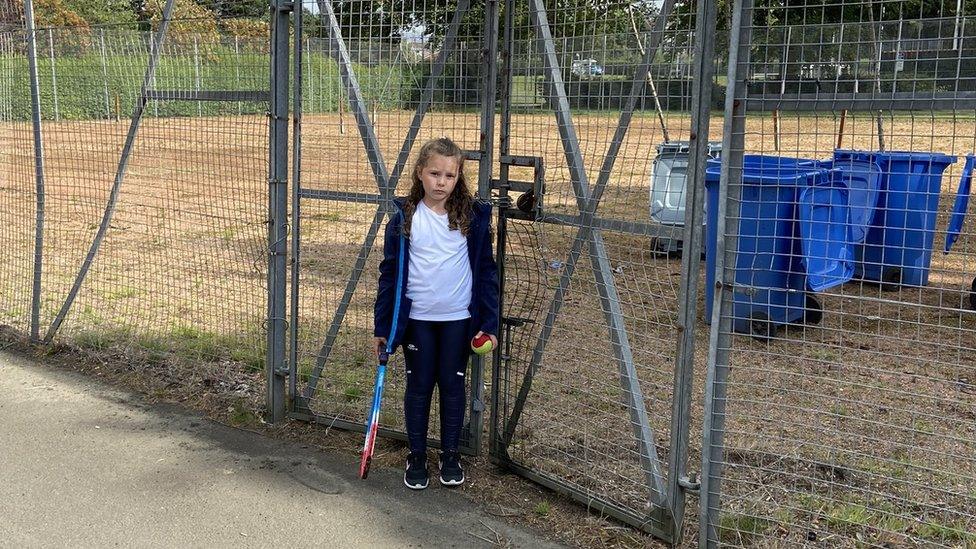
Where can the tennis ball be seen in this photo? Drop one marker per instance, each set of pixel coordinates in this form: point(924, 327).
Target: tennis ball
point(481, 344)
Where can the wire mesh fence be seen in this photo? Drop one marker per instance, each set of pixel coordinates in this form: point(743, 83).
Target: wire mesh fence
point(843, 378)
point(836, 268)
point(152, 209)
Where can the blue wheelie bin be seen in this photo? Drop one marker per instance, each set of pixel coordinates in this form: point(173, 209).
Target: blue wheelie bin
point(897, 249)
point(792, 240)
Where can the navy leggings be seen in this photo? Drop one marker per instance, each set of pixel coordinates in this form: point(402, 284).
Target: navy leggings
point(435, 352)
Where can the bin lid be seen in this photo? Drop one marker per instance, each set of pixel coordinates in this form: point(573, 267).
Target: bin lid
point(884, 157)
point(770, 170)
point(670, 148)
point(828, 255)
point(861, 179)
point(962, 203)
point(683, 148)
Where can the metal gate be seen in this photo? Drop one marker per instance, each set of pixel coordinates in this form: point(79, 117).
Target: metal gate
point(592, 387)
point(590, 390)
point(363, 101)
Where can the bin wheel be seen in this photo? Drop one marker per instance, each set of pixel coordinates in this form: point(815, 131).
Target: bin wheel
point(972, 296)
point(813, 313)
point(760, 327)
point(891, 279)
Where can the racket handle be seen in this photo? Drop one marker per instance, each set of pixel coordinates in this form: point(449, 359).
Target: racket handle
point(384, 357)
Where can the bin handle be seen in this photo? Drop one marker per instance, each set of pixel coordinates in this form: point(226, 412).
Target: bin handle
point(961, 205)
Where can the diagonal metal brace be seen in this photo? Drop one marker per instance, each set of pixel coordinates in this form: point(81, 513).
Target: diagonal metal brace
point(606, 287)
point(140, 106)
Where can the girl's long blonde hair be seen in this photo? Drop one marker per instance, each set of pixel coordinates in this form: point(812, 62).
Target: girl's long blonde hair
point(459, 204)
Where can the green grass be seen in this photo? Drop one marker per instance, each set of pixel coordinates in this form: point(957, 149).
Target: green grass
point(542, 508)
point(945, 533)
point(741, 528)
point(181, 343)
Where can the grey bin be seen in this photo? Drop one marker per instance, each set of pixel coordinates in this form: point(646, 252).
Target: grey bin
point(668, 180)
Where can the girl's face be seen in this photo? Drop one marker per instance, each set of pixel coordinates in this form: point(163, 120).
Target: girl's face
point(439, 176)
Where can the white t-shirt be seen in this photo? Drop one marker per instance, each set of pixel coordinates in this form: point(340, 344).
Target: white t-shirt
point(439, 280)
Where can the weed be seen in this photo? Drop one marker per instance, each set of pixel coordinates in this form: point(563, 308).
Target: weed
point(542, 508)
point(736, 528)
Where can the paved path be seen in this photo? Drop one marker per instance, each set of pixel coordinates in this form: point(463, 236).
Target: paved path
point(83, 464)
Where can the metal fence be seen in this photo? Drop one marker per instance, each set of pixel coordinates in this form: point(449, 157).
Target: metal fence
point(764, 293)
point(840, 383)
point(133, 213)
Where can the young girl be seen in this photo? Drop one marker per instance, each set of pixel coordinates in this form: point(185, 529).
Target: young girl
point(447, 294)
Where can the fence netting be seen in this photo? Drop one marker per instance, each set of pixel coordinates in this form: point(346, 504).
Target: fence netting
point(177, 281)
point(845, 371)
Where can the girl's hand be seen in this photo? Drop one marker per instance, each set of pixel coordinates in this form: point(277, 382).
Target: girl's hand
point(380, 345)
point(494, 340)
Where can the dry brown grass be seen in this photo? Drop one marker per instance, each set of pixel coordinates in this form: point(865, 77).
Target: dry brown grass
point(871, 409)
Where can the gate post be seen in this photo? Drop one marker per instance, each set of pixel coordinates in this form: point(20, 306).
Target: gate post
point(489, 71)
point(38, 171)
point(278, 210)
point(701, 99)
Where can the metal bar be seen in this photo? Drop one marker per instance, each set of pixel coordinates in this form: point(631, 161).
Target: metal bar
point(653, 524)
point(865, 101)
point(296, 210)
point(337, 47)
point(324, 194)
point(113, 198)
point(703, 76)
point(496, 442)
point(357, 271)
point(278, 210)
point(615, 225)
point(720, 337)
point(385, 182)
point(489, 71)
point(35, 325)
point(255, 96)
point(601, 270)
point(557, 91)
point(427, 96)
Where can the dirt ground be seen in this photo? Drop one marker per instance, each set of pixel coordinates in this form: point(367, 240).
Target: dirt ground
point(855, 430)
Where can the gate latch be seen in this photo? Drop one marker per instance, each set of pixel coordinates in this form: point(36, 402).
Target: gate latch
point(528, 205)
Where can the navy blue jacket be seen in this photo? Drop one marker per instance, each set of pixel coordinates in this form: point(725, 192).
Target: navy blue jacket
point(484, 277)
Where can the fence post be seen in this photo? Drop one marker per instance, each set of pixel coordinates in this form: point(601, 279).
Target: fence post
point(703, 76)
point(277, 370)
point(54, 76)
point(489, 71)
point(296, 216)
point(38, 170)
point(720, 337)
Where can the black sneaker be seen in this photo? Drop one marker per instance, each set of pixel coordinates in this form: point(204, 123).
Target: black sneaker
point(451, 472)
point(416, 477)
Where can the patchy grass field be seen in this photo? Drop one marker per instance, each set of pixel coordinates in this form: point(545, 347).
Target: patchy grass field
point(856, 430)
